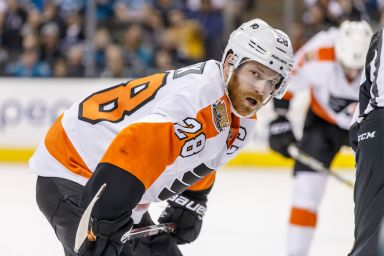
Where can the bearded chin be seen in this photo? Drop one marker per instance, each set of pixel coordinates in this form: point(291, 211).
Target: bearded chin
point(236, 99)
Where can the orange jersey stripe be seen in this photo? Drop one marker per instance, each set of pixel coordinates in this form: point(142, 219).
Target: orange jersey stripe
point(326, 54)
point(65, 152)
point(139, 150)
point(288, 96)
point(234, 130)
point(321, 54)
point(319, 110)
point(303, 217)
point(204, 183)
point(146, 149)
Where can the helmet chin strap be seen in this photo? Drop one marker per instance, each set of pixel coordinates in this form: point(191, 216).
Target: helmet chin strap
point(230, 73)
point(267, 100)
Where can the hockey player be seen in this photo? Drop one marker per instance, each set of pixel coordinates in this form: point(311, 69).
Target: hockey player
point(366, 136)
point(156, 138)
point(329, 65)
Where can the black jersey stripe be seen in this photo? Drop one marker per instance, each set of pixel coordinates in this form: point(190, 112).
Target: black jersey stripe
point(375, 86)
point(367, 87)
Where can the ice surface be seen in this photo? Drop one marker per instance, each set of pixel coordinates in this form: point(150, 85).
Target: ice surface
point(247, 215)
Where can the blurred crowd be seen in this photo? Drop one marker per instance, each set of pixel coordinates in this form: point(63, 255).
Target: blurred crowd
point(48, 38)
point(321, 14)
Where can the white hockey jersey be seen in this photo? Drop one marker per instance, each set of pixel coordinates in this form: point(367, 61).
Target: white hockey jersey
point(158, 128)
point(332, 96)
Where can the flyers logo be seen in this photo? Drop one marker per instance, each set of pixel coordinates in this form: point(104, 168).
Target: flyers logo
point(113, 103)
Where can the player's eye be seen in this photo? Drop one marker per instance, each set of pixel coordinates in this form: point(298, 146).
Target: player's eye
point(272, 83)
point(256, 74)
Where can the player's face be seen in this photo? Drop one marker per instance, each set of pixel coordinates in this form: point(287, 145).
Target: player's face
point(351, 73)
point(251, 86)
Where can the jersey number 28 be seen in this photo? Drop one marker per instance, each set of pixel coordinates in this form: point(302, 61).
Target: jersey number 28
point(113, 103)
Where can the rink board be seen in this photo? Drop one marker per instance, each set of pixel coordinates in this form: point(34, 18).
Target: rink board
point(244, 159)
point(29, 106)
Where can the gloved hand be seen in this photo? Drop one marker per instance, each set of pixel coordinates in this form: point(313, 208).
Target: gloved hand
point(187, 212)
point(106, 238)
point(281, 135)
point(353, 136)
point(158, 245)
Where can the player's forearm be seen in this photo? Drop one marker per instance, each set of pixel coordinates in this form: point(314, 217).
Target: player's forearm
point(123, 192)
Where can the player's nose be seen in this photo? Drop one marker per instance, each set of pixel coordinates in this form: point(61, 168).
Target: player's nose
point(262, 87)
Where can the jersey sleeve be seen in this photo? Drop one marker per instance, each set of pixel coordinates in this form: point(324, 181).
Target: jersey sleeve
point(177, 128)
point(153, 145)
point(140, 153)
point(308, 61)
point(133, 161)
point(205, 183)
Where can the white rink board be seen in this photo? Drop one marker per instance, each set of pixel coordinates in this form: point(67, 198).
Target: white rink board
point(29, 106)
point(247, 215)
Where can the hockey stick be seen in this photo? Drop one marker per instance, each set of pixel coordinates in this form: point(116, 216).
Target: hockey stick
point(152, 230)
point(315, 164)
point(82, 229)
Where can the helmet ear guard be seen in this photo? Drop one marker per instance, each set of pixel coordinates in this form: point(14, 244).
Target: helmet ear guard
point(281, 88)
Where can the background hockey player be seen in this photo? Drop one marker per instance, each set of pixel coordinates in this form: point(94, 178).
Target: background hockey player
point(330, 66)
point(156, 138)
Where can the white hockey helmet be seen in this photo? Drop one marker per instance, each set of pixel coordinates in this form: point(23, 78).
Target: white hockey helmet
point(352, 43)
point(256, 40)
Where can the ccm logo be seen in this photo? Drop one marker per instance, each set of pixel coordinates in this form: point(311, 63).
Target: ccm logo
point(367, 135)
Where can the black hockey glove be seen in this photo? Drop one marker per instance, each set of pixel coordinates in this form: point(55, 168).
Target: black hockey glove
point(186, 211)
point(281, 135)
point(106, 238)
point(158, 245)
point(353, 136)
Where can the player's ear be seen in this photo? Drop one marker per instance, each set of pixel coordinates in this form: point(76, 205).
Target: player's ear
point(229, 61)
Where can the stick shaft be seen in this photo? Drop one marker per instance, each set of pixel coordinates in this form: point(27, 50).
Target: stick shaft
point(152, 230)
point(315, 164)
